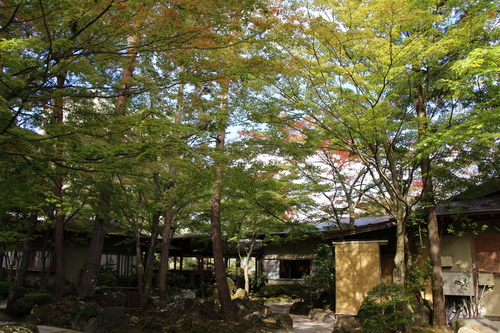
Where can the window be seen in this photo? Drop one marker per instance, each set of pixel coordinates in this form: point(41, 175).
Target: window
point(294, 269)
point(286, 268)
point(39, 257)
point(13, 259)
point(122, 264)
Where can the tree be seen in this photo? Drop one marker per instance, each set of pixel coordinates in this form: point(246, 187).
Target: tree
point(262, 198)
point(362, 67)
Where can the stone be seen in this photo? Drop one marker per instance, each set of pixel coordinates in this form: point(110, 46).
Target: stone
point(282, 320)
point(346, 322)
point(107, 319)
point(421, 315)
point(474, 325)
point(300, 308)
point(254, 319)
point(231, 285)
point(244, 307)
point(19, 328)
point(240, 293)
point(320, 315)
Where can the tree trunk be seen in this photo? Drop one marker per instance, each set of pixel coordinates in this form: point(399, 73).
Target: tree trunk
point(168, 217)
point(148, 267)
point(22, 270)
point(128, 73)
point(399, 258)
point(217, 244)
point(93, 263)
point(140, 266)
point(165, 244)
point(60, 276)
point(439, 313)
point(218, 251)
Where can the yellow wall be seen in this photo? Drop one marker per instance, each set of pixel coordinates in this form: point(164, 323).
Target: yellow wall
point(357, 269)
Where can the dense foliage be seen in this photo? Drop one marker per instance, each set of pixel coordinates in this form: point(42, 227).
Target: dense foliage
point(113, 115)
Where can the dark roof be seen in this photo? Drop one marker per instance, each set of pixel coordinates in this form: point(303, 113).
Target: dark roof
point(483, 205)
point(362, 225)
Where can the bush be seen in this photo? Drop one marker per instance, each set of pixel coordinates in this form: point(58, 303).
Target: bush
point(257, 282)
point(385, 309)
point(4, 288)
point(292, 290)
point(106, 279)
point(321, 284)
point(88, 311)
point(24, 304)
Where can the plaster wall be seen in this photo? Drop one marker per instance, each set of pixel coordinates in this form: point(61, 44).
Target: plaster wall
point(459, 249)
point(458, 253)
point(357, 269)
point(74, 260)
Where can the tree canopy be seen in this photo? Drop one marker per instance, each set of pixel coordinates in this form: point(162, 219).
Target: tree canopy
point(148, 113)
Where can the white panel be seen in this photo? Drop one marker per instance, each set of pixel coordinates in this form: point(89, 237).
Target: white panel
point(457, 284)
point(447, 261)
point(271, 268)
point(486, 279)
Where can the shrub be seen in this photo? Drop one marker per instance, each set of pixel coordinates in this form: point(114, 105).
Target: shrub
point(106, 279)
point(292, 290)
point(88, 311)
point(321, 284)
point(257, 282)
point(24, 304)
point(385, 309)
point(4, 288)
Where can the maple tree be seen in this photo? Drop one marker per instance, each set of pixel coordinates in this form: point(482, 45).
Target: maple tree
point(127, 101)
point(354, 78)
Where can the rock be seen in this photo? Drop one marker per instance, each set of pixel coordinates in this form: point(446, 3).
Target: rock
point(111, 298)
point(58, 314)
point(200, 313)
point(107, 319)
point(300, 308)
point(320, 315)
point(421, 315)
point(244, 307)
point(240, 293)
point(466, 330)
point(230, 284)
point(344, 322)
point(479, 325)
point(19, 328)
point(282, 320)
point(254, 319)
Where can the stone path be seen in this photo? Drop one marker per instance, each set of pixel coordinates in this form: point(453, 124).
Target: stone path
point(302, 324)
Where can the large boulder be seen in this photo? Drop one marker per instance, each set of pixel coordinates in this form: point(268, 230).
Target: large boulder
point(421, 315)
point(473, 325)
point(245, 307)
point(240, 293)
point(300, 308)
point(346, 322)
point(282, 320)
point(107, 319)
point(323, 316)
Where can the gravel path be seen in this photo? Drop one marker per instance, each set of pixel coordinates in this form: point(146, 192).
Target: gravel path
point(302, 324)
